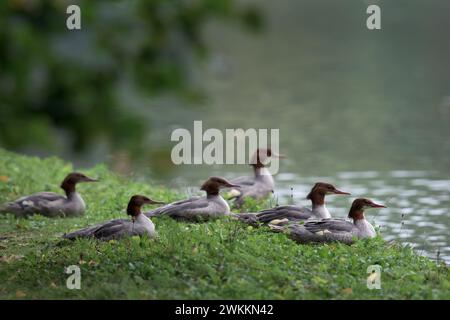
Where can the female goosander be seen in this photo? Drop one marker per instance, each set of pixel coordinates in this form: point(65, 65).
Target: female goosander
point(211, 206)
point(330, 230)
point(51, 204)
point(119, 228)
point(261, 184)
point(295, 213)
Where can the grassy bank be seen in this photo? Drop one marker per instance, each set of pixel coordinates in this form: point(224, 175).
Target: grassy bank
point(221, 259)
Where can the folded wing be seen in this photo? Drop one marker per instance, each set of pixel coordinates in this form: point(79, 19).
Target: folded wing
point(41, 202)
point(186, 209)
point(114, 229)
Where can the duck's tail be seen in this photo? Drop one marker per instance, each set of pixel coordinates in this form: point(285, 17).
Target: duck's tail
point(12, 208)
point(276, 228)
point(158, 211)
point(150, 214)
point(75, 235)
point(249, 218)
point(82, 233)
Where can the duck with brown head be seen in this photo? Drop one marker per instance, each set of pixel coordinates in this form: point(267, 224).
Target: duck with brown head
point(261, 184)
point(51, 204)
point(138, 225)
point(199, 209)
point(329, 230)
point(284, 214)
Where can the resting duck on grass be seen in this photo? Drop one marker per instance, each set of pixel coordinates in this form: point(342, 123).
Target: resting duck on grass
point(284, 214)
point(51, 204)
point(261, 184)
point(138, 225)
point(331, 230)
point(200, 208)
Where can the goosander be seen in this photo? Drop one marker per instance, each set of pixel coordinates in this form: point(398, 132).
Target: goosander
point(51, 204)
point(330, 230)
point(261, 184)
point(119, 228)
point(198, 209)
point(282, 214)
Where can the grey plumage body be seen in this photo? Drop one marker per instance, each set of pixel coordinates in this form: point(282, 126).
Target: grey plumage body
point(115, 229)
point(202, 208)
point(287, 213)
point(257, 187)
point(46, 203)
point(300, 234)
point(328, 230)
point(284, 215)
point(211, 206)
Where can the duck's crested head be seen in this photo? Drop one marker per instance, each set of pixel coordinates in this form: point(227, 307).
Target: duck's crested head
point(262, 156)
point(214, 184)
point(359, 205)
point(321, 189)
point(136, 202)
point(72, 179)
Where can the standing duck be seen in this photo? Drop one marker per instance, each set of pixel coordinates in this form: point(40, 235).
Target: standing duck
point(138, 225)
point(198, 209)
point(330, 230)
point(287, 213)
point(261, 184)
point(51, 204)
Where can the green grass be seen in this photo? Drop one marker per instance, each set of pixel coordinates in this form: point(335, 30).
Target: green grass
point(221, 259)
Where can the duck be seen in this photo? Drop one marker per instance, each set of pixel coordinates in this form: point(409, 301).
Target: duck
point(261, 184)
point(287, 213)
point(199, 208)
point(138, 225)
point(51, 204)
point(334, 230)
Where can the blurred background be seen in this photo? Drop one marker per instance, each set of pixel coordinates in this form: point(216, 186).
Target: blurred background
point(366, 110)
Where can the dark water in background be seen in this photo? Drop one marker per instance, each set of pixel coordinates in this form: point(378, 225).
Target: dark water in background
point(344, 98)
point(366, 110)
